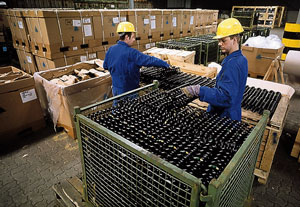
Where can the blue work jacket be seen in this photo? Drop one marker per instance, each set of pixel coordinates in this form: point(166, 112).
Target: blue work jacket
point(226, 97)
point(123, 63)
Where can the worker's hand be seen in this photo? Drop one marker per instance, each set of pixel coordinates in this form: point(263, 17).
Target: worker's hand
point(191, 91)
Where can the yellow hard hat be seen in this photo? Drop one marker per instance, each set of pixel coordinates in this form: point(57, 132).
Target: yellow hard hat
point(228, 27)
point(125, 27)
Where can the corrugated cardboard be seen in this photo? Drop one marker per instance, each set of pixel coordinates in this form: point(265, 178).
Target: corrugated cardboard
point(58, 28)
point(60, 101)
point(260, 66)
point(27, 61)
point(64, 60)
point(20, 107)
point(18, 29)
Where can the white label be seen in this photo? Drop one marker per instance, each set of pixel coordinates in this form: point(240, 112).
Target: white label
point(86, 20)
point(152, 17)
point(20, 23)
point(123, 19)
point(28, 95)
point(146, 21)
point(88, 30)
point(147, 46)
point(116, 20)
point(92, 56)
point(174, 22)
point(192, 20)
point(76, 23)
point(153, 24)
point(29, 59)
point(152, 44)
point(83, 58)
point(75, 48)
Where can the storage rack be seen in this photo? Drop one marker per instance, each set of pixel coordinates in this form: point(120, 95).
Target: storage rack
point(269, 16)
point(248, 19)
point(232, 188)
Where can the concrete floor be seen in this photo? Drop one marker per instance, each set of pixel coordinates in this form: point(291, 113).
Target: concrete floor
point(30, 165)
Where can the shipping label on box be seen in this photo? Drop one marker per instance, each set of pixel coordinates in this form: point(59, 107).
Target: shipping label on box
point(28, 95)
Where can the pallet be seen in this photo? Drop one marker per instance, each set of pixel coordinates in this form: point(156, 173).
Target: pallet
point(270, 138)
point(69, 192)
point(296, 147)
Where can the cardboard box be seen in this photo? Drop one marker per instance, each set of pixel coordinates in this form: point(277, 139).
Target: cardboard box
point(60, 101)
point(46, 64)
point(3, 19)
point(56, 29)
point(27, 61)
point(140, 18)
point(109, 20)
point(260, 66)
point(18, 29)
point(20, 107)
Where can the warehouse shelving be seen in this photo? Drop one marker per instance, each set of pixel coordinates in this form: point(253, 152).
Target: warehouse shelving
point(269, 16)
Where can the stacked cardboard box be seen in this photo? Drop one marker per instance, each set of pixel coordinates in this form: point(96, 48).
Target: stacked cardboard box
point(20, 107)
point(51, 38)
point(7, 52)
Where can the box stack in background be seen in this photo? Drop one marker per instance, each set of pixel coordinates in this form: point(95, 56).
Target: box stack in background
point(206, 21)
point(7, 52)
point(51, 38)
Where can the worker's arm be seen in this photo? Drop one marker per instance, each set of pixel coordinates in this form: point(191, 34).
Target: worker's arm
point(226, 91)
point(141, 59)
point(105, 66)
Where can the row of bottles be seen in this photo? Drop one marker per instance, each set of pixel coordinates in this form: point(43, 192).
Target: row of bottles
point(254, 99)
point(191, 139)
point(258, 100)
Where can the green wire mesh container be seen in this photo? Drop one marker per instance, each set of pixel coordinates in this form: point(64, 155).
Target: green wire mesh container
point(116, 172)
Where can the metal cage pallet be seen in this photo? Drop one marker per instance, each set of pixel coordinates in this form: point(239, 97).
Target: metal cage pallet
point(117, 172)
point(271, 135)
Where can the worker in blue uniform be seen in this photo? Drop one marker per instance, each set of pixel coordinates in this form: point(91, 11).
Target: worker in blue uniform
point(124, 62)
point(226, 97)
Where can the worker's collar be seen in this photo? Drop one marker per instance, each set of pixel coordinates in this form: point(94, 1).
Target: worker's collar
point(234, 54)
point(123, 43)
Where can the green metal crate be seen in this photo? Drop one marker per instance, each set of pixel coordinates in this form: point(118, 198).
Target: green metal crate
point(248, 19)
point(182, 44)
point(117, 172)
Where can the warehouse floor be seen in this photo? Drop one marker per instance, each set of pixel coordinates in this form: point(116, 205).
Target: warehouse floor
point(32, 164)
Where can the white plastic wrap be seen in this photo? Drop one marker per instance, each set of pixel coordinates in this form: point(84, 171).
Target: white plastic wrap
point(270, 42)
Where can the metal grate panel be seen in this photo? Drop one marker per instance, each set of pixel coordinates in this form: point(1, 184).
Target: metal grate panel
point(117, 177)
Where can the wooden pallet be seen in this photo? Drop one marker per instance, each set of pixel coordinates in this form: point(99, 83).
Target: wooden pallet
point(296, 147)
point(271, 135)
point(69, 192)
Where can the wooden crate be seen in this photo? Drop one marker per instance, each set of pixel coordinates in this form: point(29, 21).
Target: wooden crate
point(296, 147)
point(172, 54)
point(201, 70)
point(271, 137)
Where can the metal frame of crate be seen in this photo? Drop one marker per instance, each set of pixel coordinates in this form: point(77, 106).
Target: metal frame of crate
point(182, 44)
point(117, 172)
